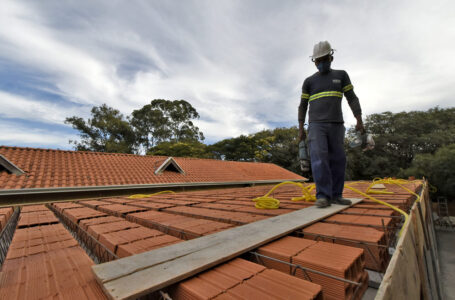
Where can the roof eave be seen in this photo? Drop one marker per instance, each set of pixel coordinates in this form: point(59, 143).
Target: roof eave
point(133, 187)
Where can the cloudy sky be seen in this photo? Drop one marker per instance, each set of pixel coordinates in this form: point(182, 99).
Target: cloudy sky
point(241, 64)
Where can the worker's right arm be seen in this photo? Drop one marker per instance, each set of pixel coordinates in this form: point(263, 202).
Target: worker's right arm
point(302, 109)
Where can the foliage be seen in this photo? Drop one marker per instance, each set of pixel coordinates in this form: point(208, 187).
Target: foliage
point(160, 121)
point(106, 131)
point(165, 120)
point(278, 146)
point(181, 149)
point(439, 168)
point(240, 148)
point(399, 138)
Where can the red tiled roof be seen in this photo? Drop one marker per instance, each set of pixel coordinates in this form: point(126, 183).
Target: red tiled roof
point(46, 168)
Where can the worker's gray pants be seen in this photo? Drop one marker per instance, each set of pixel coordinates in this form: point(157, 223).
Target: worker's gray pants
point(328, 160)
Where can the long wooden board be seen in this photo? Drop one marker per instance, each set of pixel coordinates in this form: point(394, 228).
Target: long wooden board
point(140, 274)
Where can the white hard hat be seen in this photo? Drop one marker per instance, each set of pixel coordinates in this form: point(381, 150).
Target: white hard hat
point(321, 49)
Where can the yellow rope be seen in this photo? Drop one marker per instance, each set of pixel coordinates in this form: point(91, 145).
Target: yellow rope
point(136, 196)
point(267, 202)
point(406, 216)
point(398, 182)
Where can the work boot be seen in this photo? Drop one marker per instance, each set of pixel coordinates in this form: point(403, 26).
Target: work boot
point(322, 202)
point(341, 201)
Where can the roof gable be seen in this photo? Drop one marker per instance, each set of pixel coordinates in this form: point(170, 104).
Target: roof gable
point(169, 165)
point(5, 164)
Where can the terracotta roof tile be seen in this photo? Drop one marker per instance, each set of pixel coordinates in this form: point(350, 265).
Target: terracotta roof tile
point(241, 279)
point(46, 262)
point(271, 284)
point(98, 221)
point(57, 168)
point(33, 208)
point(113, 239)
point(77, 214)
point(119, 209)
point(146, 245)
point(36, 218)
point(236, 218)
point(96, 230)
point(5, 215)
point(177, 225)
point(376, 257)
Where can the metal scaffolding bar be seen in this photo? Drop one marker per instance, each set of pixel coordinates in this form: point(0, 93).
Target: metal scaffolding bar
point(97, 251)
point(6, 236)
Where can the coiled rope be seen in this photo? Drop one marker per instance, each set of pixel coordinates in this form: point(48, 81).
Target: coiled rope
point(267, 202)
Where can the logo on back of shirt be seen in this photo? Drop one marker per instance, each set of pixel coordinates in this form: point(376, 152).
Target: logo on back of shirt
point(336, 81)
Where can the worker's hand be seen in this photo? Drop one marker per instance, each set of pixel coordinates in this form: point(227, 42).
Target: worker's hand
point(302, 134)
point(359, 127)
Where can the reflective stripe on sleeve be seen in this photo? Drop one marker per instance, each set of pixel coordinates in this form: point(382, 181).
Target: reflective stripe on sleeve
point(326, 94)
point(347, 88)
point(305, 96)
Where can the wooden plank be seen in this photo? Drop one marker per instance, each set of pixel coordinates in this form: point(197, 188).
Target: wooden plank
point(402, 279)
point(140, 274)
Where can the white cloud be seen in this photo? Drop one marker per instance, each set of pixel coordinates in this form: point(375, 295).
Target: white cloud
point(241, 64)
point(19, 107)
point(16, 135)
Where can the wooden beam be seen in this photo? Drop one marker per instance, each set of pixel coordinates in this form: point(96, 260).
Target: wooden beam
point(141, 274)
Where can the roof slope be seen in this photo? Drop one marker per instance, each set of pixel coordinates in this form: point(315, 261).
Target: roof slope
point(47, 168)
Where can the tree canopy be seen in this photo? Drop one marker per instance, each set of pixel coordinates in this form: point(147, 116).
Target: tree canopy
point(399, 137)
point(165, 121)
point(160, 121)
point(278, 146)
point(181, 149)
point(439, 168)
point(106, 131)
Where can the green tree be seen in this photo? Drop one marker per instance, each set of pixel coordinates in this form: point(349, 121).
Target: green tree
point(106, 131)
point(181, 149)
point(165, 120)
point(399, 138)
point(278, 146)
point(439, 168)
point(240, 148)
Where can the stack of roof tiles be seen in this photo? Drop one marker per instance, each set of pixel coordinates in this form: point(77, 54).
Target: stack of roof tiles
point(5, 215)
point(370, 239)
point(341, 261)
point(46, 262)
point(241, 279)
point(121, 237)
point(178, 225)
point(381, 223)
point(36, 215)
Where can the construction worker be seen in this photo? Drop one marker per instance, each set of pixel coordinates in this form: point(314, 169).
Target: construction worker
point(323, 92)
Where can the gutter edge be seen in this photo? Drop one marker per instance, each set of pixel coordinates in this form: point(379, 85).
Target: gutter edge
point(34, 191)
